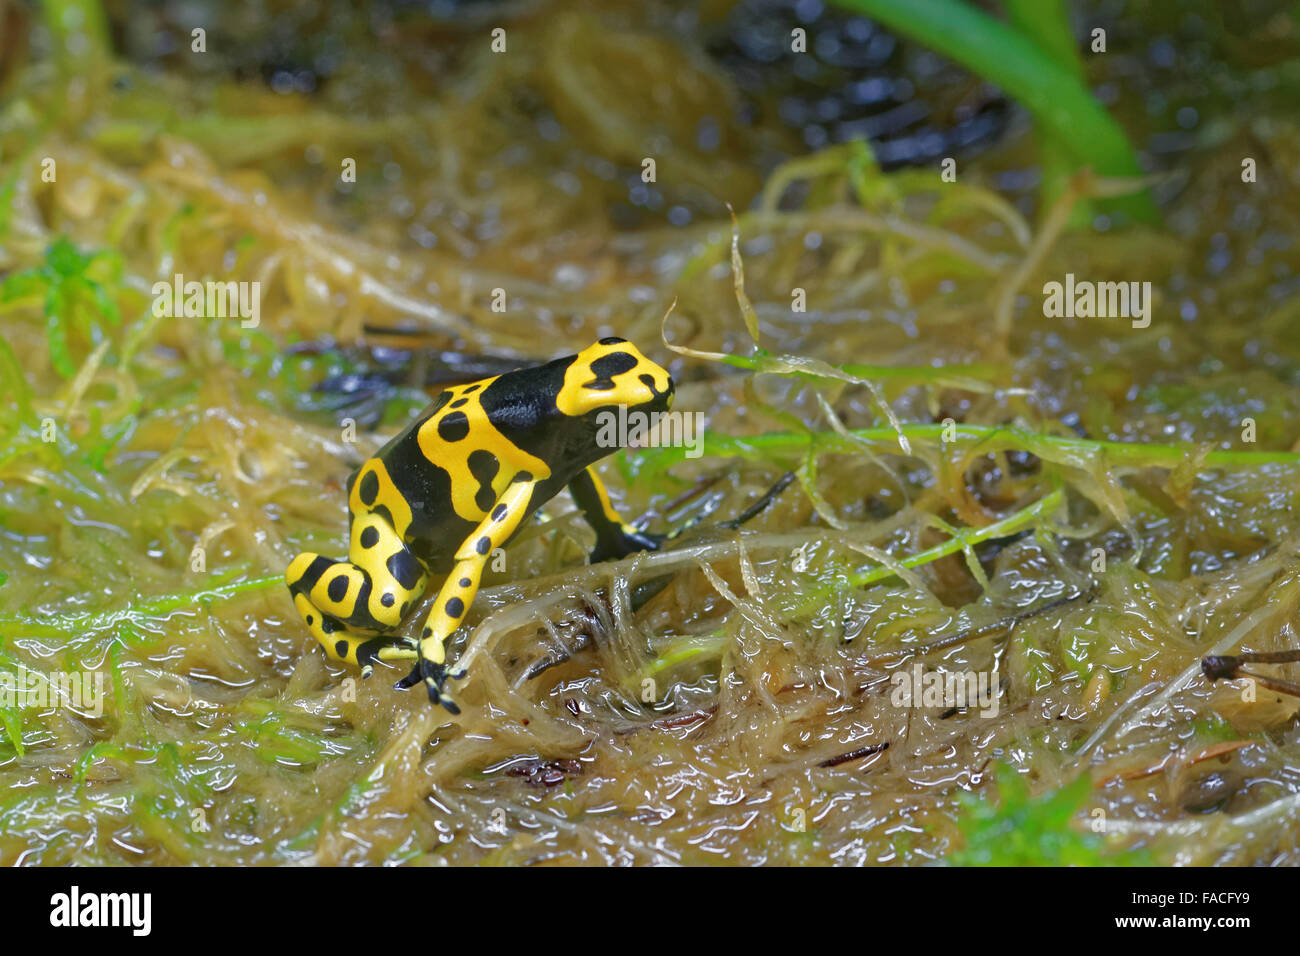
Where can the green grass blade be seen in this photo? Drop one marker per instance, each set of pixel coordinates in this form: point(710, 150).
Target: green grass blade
point(1001, 54)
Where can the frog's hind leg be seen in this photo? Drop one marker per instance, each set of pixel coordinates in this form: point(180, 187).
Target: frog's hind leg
point(349, 605)
point(340, 643)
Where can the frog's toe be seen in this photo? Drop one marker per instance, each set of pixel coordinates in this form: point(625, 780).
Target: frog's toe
point(401, 651)
point(371, 653)
point(410, 680)
point(435, 675)
point(443, 700)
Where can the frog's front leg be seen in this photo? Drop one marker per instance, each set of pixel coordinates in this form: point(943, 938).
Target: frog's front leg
point(458, 591)
point(350, 606)
point(615, 538)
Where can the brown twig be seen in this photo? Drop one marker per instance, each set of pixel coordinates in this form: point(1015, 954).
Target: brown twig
point(1228, 667)
point(855, 754)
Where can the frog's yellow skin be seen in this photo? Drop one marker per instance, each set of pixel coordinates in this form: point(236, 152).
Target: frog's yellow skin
point(456, 484)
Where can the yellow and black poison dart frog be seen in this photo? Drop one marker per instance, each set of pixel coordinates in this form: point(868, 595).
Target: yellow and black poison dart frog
point(457, 483)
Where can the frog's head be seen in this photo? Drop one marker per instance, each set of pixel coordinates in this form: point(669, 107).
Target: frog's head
point(610, 374)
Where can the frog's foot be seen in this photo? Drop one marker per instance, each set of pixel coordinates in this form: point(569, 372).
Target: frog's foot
point(626, 540)
point(434, 676)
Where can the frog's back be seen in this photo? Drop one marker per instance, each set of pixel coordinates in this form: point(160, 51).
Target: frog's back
point(439, 477)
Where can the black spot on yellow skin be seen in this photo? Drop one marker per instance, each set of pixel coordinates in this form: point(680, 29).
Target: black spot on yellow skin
point(404, 569)
point(458, 482)
point(453, 426)
point(369, 488)
point(606, 367)
point(484, 466)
